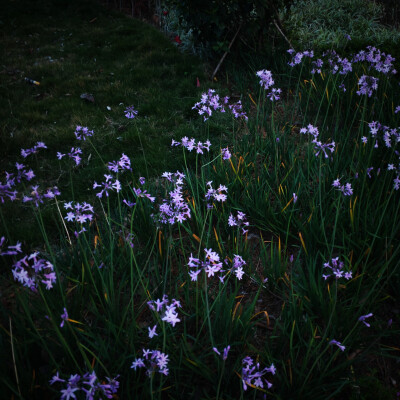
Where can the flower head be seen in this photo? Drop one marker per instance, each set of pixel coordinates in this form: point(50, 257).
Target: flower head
point(82, 132)
point(130, 112)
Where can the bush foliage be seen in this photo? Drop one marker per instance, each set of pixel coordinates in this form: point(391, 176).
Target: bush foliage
point(322, 24)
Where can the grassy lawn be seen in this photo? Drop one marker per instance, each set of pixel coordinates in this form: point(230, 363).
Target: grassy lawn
point(189, 245)
point(75, 48)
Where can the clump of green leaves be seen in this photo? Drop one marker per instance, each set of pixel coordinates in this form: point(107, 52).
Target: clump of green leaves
point(322, 24)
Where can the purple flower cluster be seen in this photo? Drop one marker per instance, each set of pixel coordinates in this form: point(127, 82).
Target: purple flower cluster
point(110, 183)
point(253, 376)
point(216, 194)
point(190, 144)
point(21, 173)
point(373, 57)
point(30, 270)
point(79, 212)
point(340, 65)
point(153, 361)
point(266, 82)
point(378, 60)
point(297, 57)
point(123, 164)
point(237, 110)
point(74, 154)
point(174, 209)
point(213, 265)
point(225, 153)
point(37, 197)
point(11, 179)
point(211, 101)
point(130, 112)
point(390, 137)
point(346, 189)
point(319, 147)
point(82, 132)
point(88, 384)
point(336, 269)
point(367, 84)
point(239, 221)
point(26, 152)
point(169, 311)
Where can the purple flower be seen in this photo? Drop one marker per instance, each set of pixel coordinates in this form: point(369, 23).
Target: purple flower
point(297, 57)
point(68, 393)
point(153, 361)
point(336, 268)
point(56, 378)
point(26, 152)
point(237, 111)
point(11, 250)
point(82, 132)
point(317, 65)
point(82, 213)
point(30, 270)
point(240, 221)
point(274, 94)
point(266, 80)
point(74, 154)
point(144, 194)
point(168, 309)
point(367, 84)
point(130, 112)
point(364, 317)
point(171, 316)
point(174, 208)
point(142, 180)
point(212, 266)
point(323, 147)
point(338, 344)
point(107, 185)
point(152, 331)
point(226, 351)
point(130, 204)
point(123, 164)
point(216, 194)
point(396, 183)
point(252, 375)
point(89, 384)
point(294, 198)
point(397, 109)
point(209, 101)
point(346, 189)
point(64, 317)
point(190, 144)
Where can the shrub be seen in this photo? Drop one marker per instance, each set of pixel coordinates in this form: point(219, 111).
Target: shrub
point(322, 24)
point(212, 24)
